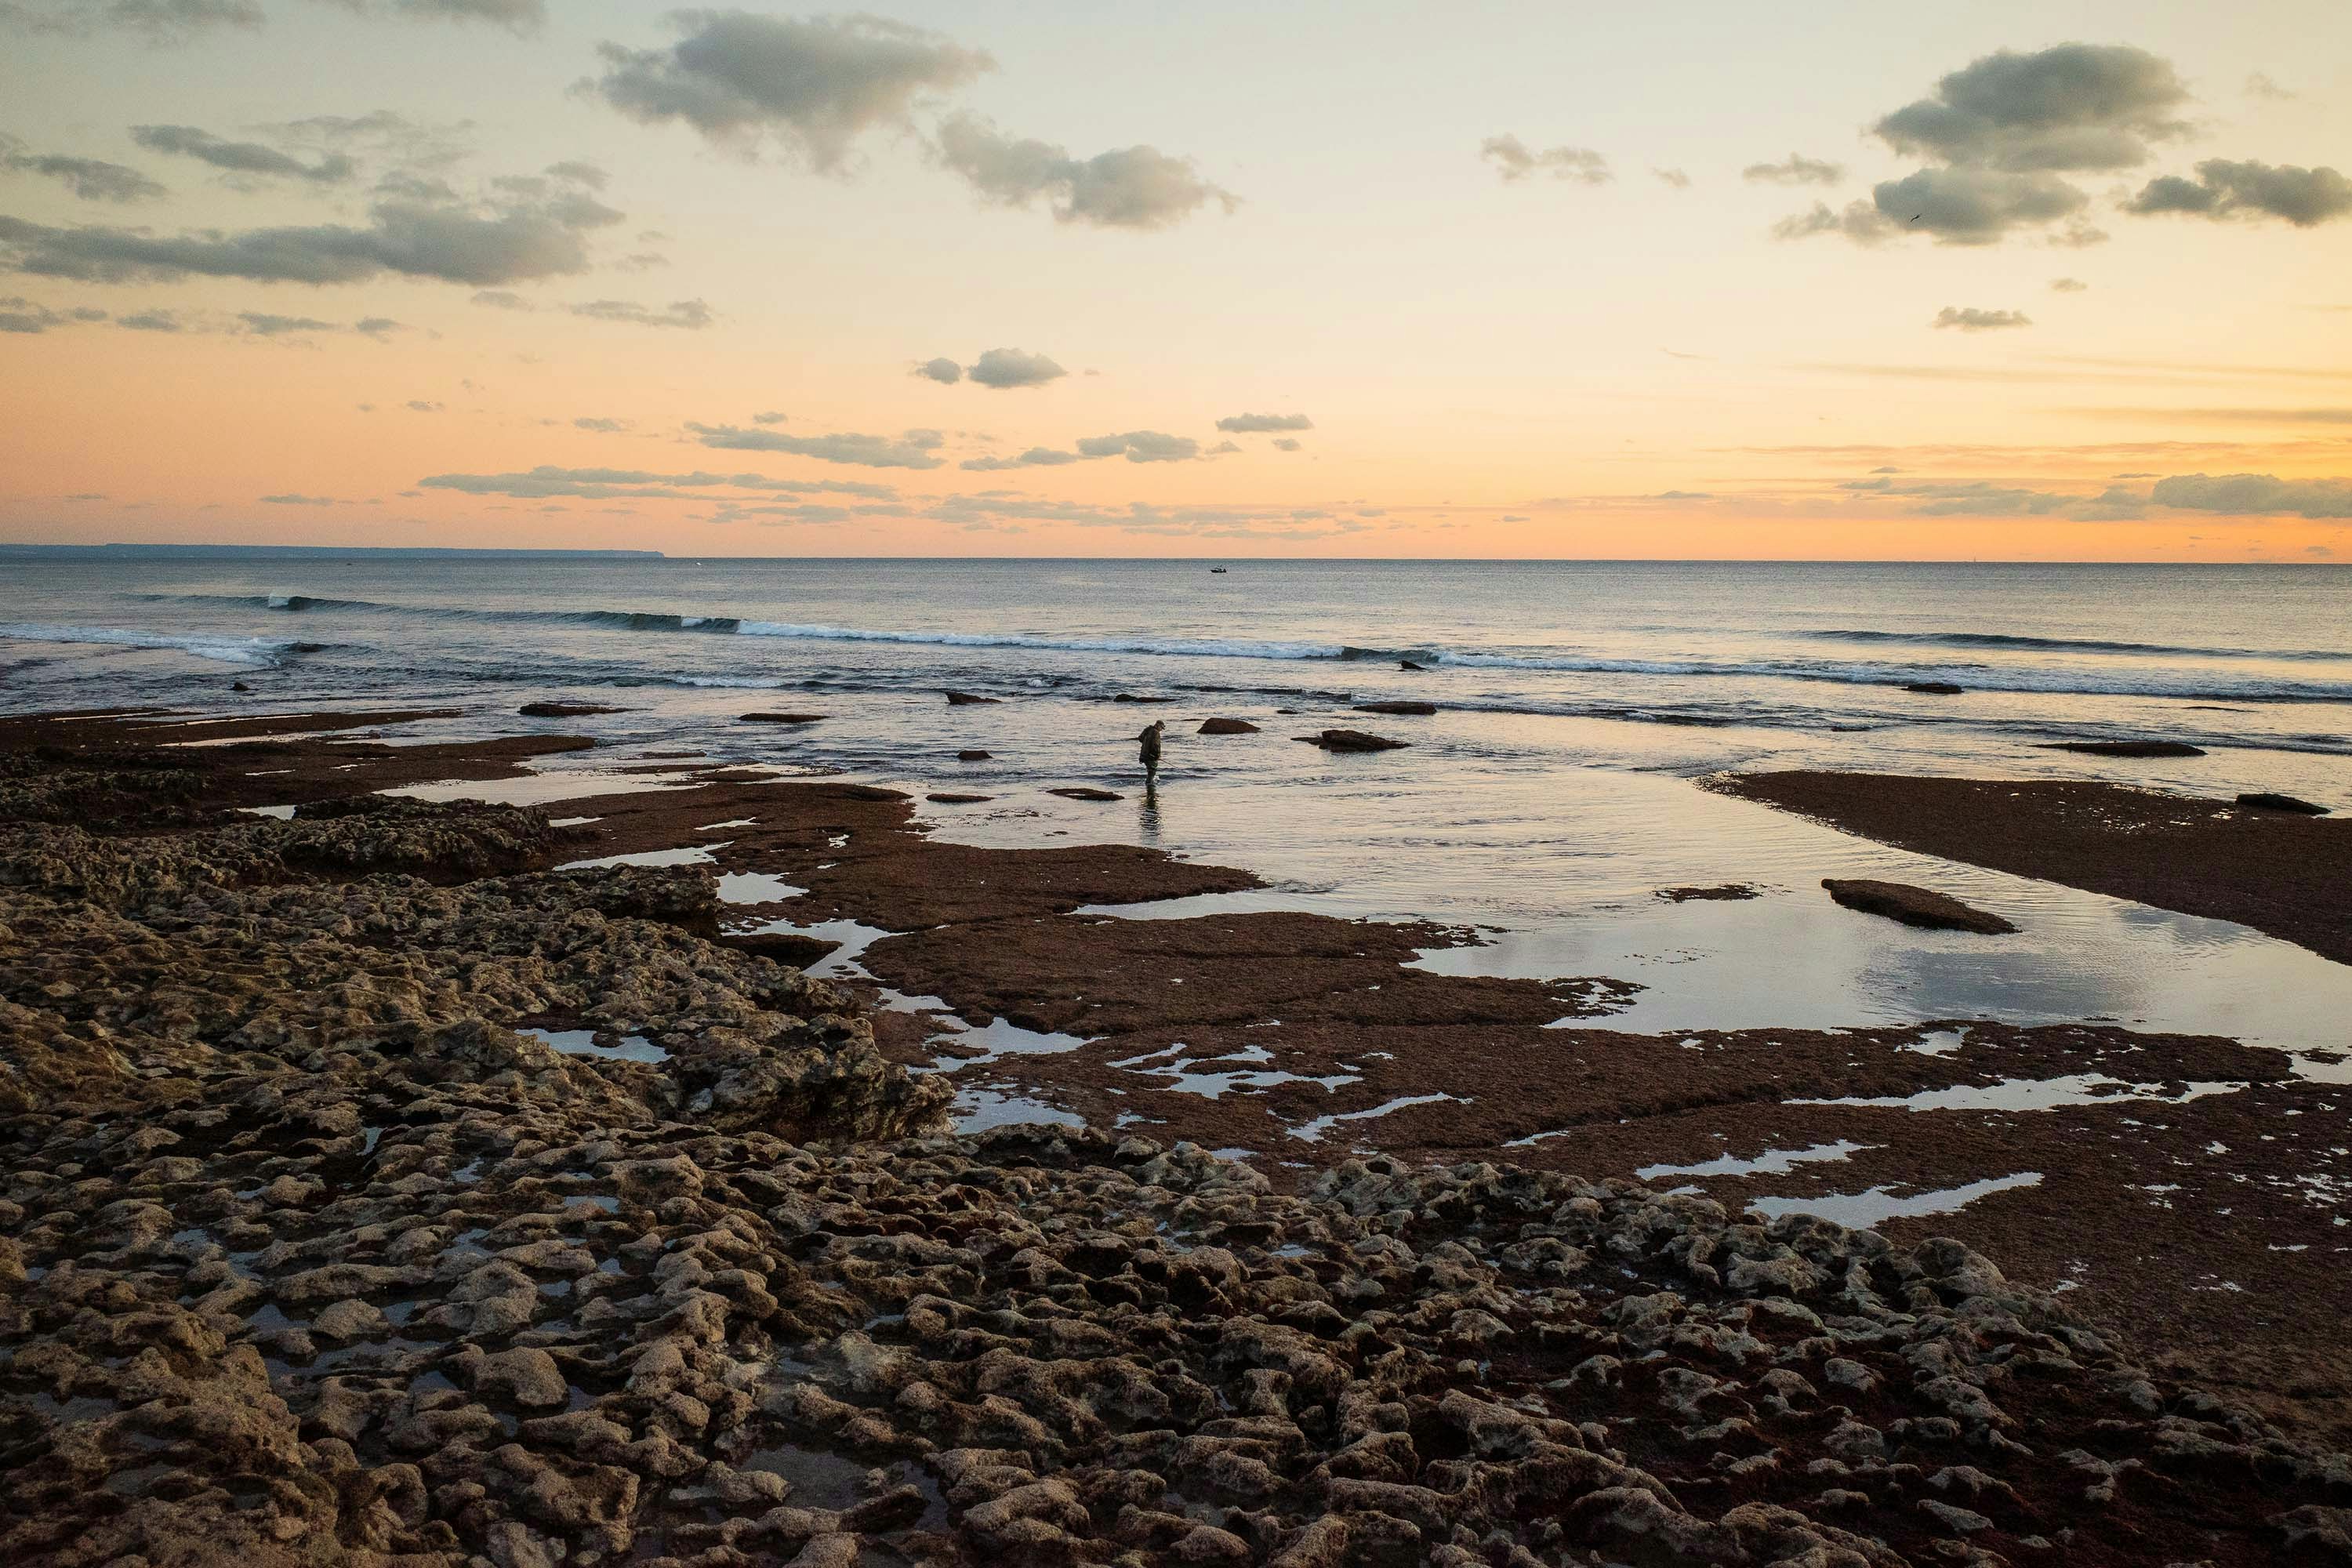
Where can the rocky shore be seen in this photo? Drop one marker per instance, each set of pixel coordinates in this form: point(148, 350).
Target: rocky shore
point(376, 1194)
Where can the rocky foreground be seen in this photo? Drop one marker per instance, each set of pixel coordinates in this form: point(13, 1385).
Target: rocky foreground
point(308, 1256)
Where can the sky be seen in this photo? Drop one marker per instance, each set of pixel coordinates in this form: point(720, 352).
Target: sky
point(2066, 281)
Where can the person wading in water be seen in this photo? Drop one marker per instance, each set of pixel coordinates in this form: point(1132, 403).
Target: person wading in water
point(1150, 743)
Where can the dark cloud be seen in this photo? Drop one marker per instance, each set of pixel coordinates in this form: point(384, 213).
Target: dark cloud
point(508, 242)
point(91, 179)
point(1002, 368)
point(692, 315)
point(377, 327)
point(2255, 495)
point(1971, 205)
point(2083, 108)
point(1970, 318)
point(911, 450)
point(1982, 497)
point(812, 86)
point(161, 21)
point(1798, 170)
point(2067, 285)
point(943, 370)
point(2225, 190)
point(503, 300)
point(20, 315)
point(609, 484)
point(1257, 424)
point(1859, 221)
point(1284, 444)
point(152, 322)
point(771, 418)
point(249, 158)
point(1128, 187)
point(515, 16)
point(1513, 160)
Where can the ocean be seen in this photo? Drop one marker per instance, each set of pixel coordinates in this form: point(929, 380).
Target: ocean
point(1543, 805)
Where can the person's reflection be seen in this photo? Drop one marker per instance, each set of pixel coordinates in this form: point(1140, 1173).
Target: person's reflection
point(1147, 814)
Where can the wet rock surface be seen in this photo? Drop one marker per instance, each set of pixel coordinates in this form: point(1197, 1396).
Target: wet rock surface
point(309, 1256)
point(1352, 740)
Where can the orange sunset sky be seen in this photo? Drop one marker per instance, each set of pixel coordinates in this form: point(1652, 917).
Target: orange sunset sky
point(2000, 280)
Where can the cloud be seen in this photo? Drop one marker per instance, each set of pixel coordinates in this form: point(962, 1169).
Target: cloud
point(2259, 85)
point(1003, 368)
point(241, 157)
point(692, 315)
point(380, 328)
point(503, 300)
point(812, 86)
point(1982, 497)
point(301, 500)
point(91, 179)
point(515, 16)
point(271, 326)
point(2067, 285)
point(1798, 170)
point(161, 21)
point(2001, 133)
point(152, 322)
point(2255, 495)
point(1969, 318)
point(20, 315)
point(1513, 160)
point(509, 242)
point(1255, 424)
point(912, 449)
point(1035, 457)
point(1675, 177)
point(1284, 444)
point(1128, 187)
point(2225, 190)
point(1859, 221)
point(2082, 107)
point(580, 174)
point(991, 509)
point(609, 484)
point(424, 405)
point(943, 370)
point(1141, 447)
point(602, 426)
point(771, 418)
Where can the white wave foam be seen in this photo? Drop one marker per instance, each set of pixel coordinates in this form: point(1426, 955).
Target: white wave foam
point(228, 650)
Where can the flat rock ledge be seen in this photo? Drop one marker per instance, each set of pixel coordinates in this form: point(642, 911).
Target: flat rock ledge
point(1914, 906)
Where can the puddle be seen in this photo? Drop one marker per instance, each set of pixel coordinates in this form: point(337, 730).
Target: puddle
point(572, 821)
point(1312, 1131)
point(582, 1043)
point(978, 1109)
point(538, 789)
point(1184, 1080)
point(1772, 1162)
point(730, 822)
point(687, 855)
point(996, 1039)
point(2034, 1094)
point(280, 813)
point(1861, 1210)
point(753, 886)
point(852, 937)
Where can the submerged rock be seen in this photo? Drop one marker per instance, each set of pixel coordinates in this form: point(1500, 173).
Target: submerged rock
point(973, 756)
point(2126, 748)
point(1086, 792)
point(1421, 709)
point(779, 718)
point(951, 797)
point(969, 699)
point(1914, 906)
point(1227, 727)
point(1721, 891)
point(1352, 740)
point(1934, 687)
point(566, 709)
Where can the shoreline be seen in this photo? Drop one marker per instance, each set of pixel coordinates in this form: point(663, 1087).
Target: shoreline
point(384, 1054)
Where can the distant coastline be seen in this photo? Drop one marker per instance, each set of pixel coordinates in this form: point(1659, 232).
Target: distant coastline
point(300, 551)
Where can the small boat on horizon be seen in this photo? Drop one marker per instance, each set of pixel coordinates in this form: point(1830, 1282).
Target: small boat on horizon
point(1214, 570)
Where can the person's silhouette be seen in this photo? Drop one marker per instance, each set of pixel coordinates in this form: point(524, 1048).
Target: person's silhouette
point(1148, 741)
